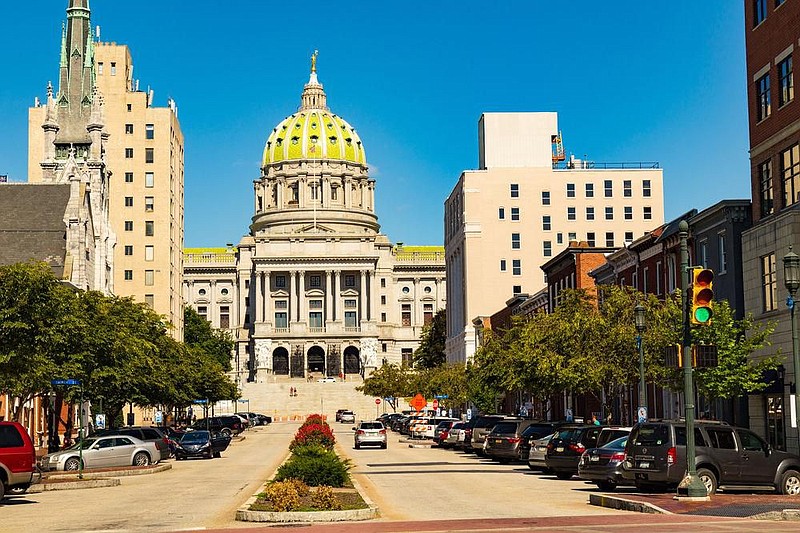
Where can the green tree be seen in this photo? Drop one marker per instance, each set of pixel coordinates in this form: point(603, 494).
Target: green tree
point(430, 352)
point(389, 381)
point(444, 380)
point(198, 333)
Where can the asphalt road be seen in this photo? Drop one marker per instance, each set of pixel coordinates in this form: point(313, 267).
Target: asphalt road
point(194, 494)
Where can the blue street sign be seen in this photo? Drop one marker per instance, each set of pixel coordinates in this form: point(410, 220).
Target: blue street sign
point(65, 382)
point(243, 401)
point(200, 402)
point(790, 302)
point(440, 396)
point(389, 398)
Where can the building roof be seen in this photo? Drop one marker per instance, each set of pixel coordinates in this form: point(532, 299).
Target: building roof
point(32, 223)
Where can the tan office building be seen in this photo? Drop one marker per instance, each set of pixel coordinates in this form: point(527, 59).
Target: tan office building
point(144, 154)
point(523, 206)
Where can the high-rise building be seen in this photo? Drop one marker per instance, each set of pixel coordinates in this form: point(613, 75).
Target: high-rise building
point(772, 30)
point(315, 287)
point(525, 204)
point(143, 151)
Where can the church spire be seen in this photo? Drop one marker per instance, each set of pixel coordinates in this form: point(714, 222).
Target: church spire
point(313, 96)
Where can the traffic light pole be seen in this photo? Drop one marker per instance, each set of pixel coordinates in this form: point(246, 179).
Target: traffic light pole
point(691, 487)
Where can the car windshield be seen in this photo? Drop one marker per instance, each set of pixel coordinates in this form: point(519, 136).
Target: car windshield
point(486, 422)
point(194, 437)
point(618, 444)
point(87, 443)
point(505, 427)
point(371, 425)
point(567, 434)
point(537, 431)
point(650, 435)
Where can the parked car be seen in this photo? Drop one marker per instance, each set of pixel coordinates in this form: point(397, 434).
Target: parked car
point(481, 427)
point(225, 424)
point(603, 465)
point(566, 447)
point(103, 452)
point(173, 436)
point(201, 443)
point(398, 422)
point(426, 427)
point(17, 458)
point(251, 418)
point(264, 419)
point(339, 414)
point(535, 431)
point(610, 433)
point(454, 433)
point(725, 456)
point(329, 379)
point(244, 420)
point(152, 434)
point(442, 430)
point(347, 417)
point(502, 443)
point(538, 454)
point(370, 433)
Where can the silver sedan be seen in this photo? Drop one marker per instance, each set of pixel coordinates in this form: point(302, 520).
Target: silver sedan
point(537, 454)
point(103, 452)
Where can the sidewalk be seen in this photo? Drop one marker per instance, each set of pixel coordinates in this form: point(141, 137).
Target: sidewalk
point(767, 506)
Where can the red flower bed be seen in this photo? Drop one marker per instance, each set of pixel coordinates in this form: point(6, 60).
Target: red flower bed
point(314, 431)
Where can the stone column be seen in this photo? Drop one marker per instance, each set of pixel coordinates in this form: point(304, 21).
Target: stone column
point(416, 306)
point(372, 295)
point(362, 312)
point(337, 287)
point(292, 296)
point(267, 298)
point(437, 296)
point(301, 297)
point(328, 297)
point(347, 190)
point(213, 313)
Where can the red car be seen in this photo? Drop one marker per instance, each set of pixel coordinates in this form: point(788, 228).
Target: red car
point(17, 458)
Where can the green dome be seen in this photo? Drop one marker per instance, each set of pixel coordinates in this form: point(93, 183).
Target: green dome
point(314, 134)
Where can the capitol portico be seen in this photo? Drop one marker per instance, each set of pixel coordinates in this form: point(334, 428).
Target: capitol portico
point(315, 288)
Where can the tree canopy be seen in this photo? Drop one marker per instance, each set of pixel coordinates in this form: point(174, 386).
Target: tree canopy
point(430, 352)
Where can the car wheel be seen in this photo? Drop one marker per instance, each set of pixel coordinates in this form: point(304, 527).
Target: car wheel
point(217, 455)
point(357, 446)
point(564, 475)
point(383, 445)
point(607, 486)
point(73, 463)
point(503, 460)
point(226, 432)
point(2, 490)
point(18, 490)
point(790, 483)
point(141, 459)
point(709, 480)
point(533, 467)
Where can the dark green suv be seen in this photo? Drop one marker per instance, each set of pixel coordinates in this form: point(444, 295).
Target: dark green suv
point(655, 457)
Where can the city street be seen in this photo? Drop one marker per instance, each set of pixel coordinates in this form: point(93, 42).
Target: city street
point(194, 494)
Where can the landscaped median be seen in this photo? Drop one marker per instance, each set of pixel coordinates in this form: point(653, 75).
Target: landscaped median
point(312, 485)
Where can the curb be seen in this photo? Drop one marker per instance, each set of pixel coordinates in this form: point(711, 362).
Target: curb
point(73, 485)
point(614, 502)
point(307, 516)
point(786, 514)
point(115, 473)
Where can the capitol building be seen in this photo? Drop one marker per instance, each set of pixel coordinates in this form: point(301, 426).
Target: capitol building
point(314, 288)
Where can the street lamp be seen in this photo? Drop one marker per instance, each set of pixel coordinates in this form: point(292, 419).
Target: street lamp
point(791, 277)
point(638, 317)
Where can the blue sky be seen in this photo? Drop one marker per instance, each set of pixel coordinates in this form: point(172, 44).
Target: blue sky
point(631, 81)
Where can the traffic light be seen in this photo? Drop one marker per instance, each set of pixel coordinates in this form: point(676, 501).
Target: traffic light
point(702, 295)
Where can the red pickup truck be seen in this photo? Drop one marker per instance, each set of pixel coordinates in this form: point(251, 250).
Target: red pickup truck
point(17, 458)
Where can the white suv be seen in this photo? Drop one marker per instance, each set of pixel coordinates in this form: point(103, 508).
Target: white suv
point(370, 433)
point(347, 417)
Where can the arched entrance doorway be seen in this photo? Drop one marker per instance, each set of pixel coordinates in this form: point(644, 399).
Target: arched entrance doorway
point(280, 361)
point(352, 361)
point(316, 359)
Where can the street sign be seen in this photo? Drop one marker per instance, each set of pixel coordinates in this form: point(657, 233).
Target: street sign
point(377, 401)
point(469, 414)
point(568, 415)
point(440, 396)
point(418, 402)
point(100, 421)
point(65, 382)
point(200, 402)
point(641, 414)
point(435, 404)
point(241, 401)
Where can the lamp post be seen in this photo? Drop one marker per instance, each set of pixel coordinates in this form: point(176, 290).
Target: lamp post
point(791, 277)
point(638, 316)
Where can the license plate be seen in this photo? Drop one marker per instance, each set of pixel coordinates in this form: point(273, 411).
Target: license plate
point(559, 448)
point(594, 458)
point(644, 465)
point(497, 441)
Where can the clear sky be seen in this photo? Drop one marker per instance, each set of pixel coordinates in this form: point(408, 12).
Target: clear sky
point(631, 81)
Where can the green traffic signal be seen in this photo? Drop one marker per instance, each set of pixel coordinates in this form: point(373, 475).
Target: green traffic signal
point(702, 296)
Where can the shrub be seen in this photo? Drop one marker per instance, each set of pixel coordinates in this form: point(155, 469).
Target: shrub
point(283, 496)
point(315, 465)
point(313, 435)
point(314, 419)
point(301, 488)
point(325, 500)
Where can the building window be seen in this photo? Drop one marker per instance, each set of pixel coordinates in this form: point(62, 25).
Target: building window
point(130, 108)
point(515, 213)
point(128, 275)
point(129, 225)
point(113, 68)
point(516, 289)
point(224, 317)
point(608, 187)
point(790, 171)
point(787, 82)
point(769, 285)
point(315, 281)
point(99, 68)
point(590, 190)
point(659, 274)
point(149, 277)
point(502, 265)
point(149, 228)
point(514, 190)
point(628, 237)
point(129, 129)
point(610, 239)
point(128, 249)
point(350, 319)
point(760, 11)
point(128, 153)
point(129, 201)
point(149, 253)
point(570, 213)
point(702, 254)
point(545, 197)
point(501, 213)
point(149, 131)
point(280, 282)
point(149, 179)
point(150, 300)
point(571, 236)
point(763, 106)
point(281, 320)
point(407, 355)
point(628, 212)
point(349, 280)
point(546, 223)
point(723, 253)
point(281, 304)
point(590, 213)
point(647, 213)
point(129, 177)
point(765, 179)
point(383, 319)
point(315, 319)
point(148, 203)
point(609, 213)
point(627, 189)
point(405, 315)
point(516, 267)
point(559, 238)
point(350, 304)
point(383, 299)
point(547, 248)
point(383, 283)
point(646, 188)
point(148, 155)
point(570, 190)
point(515, 241)
point(590, 240)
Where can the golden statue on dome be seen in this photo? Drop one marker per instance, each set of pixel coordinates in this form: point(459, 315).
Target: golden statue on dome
point(314, 61)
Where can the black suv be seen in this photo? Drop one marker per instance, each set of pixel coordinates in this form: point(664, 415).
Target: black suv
point(145, 433)
point(566, 447)
point(226, 424)
point(535, 431)
point(655, 457)
point(479, 427)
